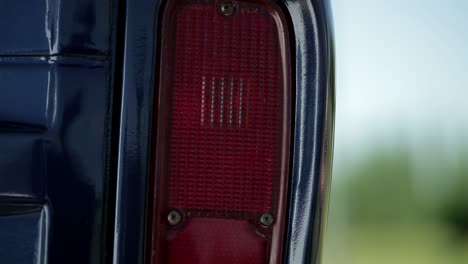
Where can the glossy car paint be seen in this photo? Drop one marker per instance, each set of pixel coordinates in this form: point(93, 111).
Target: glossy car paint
point(313, 129)
point(138, 79)
point(30, 223)
point(56, 82)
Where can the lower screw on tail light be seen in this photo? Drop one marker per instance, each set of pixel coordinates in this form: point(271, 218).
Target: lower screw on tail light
point(222, 135)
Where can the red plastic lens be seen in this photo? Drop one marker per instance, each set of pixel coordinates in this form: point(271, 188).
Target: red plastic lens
point(209, 240)
point(222, 137)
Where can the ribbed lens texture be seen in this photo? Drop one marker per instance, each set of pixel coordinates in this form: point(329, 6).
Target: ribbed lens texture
point(222, 140)
point(226, 110)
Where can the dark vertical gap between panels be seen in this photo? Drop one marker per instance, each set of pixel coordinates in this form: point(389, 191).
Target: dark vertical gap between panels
point(292, 67)
point(118, 10)
point(152, 181)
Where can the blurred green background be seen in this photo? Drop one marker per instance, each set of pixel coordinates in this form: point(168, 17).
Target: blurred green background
point(400, 177)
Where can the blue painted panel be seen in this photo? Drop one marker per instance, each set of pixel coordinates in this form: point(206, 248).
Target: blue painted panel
point(77, 156)
point(66, 163)
point(84, 26)
point(22, 167)
point(24, 93)
point(23, 26)
point(55, 124)
point(52, 27)
point(24, 235)
point(137, 106)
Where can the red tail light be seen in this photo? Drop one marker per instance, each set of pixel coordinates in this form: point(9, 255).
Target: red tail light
point(223, 134)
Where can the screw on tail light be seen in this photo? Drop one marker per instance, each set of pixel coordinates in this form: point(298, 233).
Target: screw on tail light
point(226, 8)
point(174, 218)
point(266, 219)
point(222, 136)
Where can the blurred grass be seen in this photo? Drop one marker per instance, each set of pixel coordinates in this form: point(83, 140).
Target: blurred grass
point(377, 217)
point(385, 244)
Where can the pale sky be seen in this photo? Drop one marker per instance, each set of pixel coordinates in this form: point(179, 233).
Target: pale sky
point(402, 73)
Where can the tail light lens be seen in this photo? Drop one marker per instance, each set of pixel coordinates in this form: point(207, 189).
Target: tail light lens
point(222, 134)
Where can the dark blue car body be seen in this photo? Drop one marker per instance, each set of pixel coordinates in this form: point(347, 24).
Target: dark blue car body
point(77, 86)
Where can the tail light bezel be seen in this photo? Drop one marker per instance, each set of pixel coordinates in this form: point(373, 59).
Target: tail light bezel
point(157, 202)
